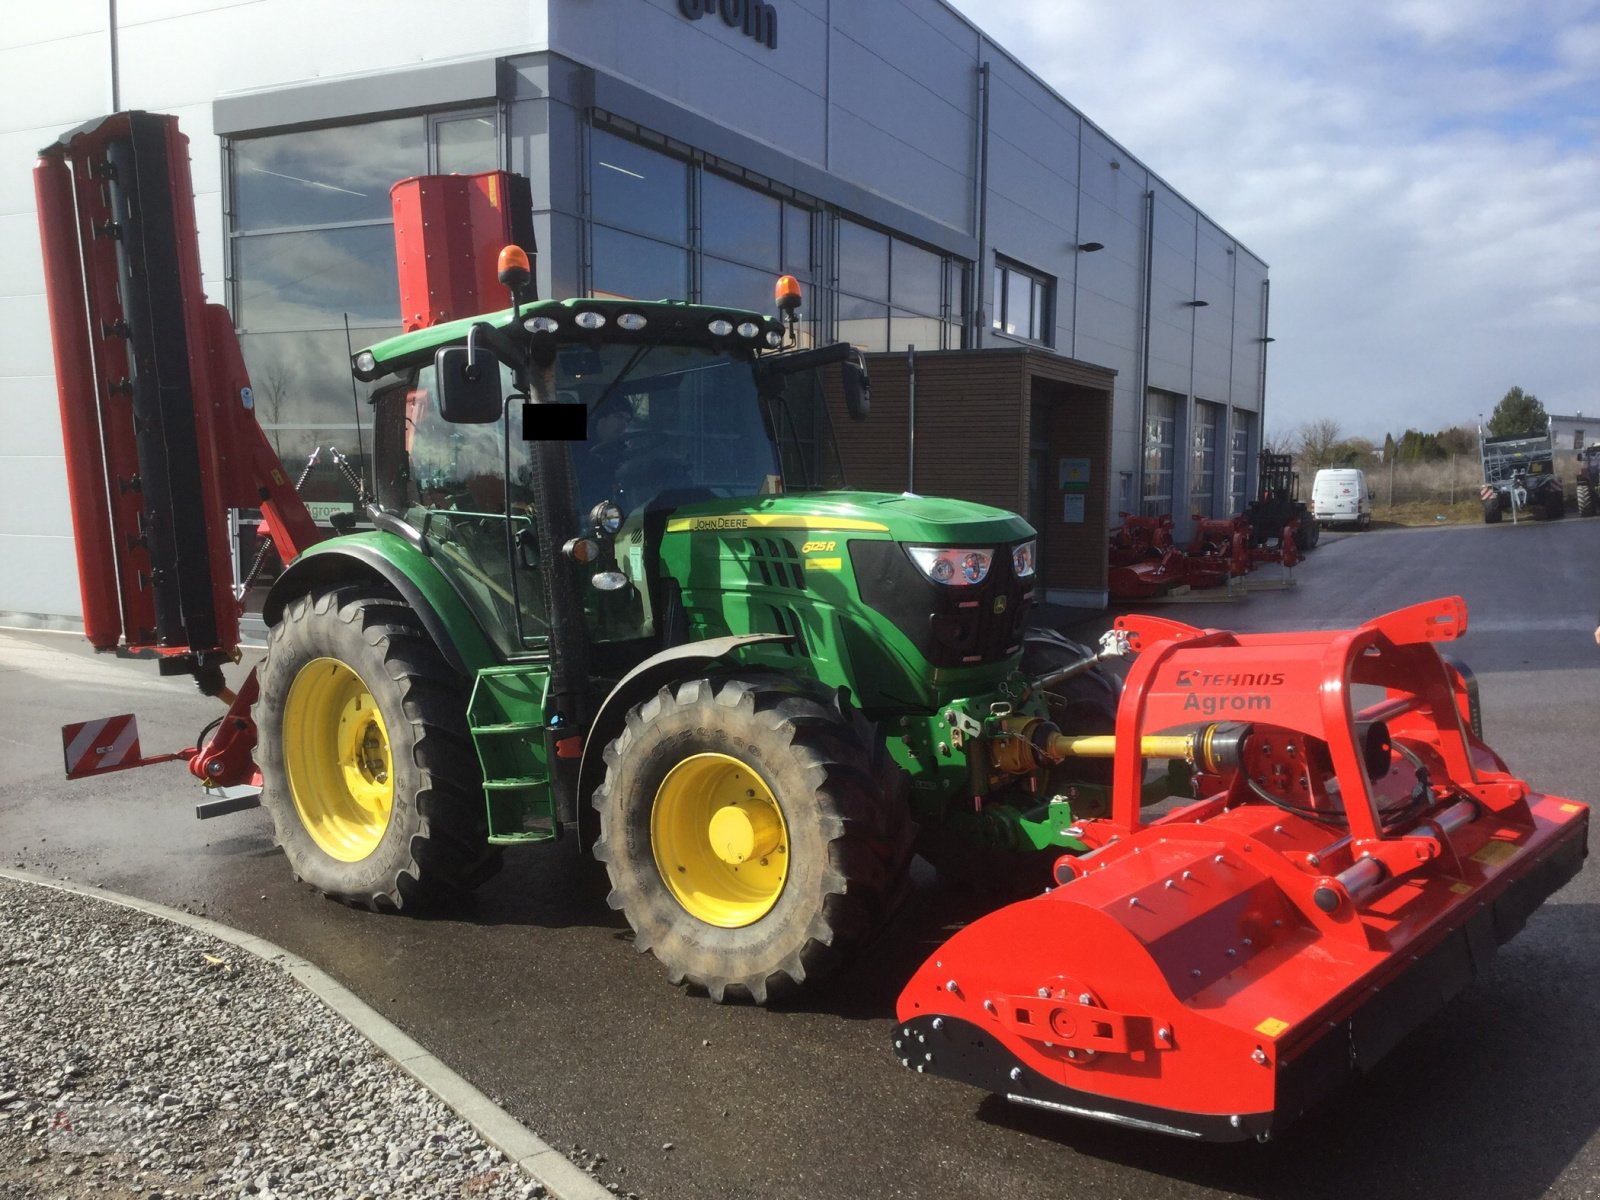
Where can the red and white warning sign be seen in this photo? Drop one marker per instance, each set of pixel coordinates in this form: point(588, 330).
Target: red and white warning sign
point(109, 744)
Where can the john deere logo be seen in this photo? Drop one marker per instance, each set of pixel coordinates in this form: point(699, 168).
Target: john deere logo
point(758, 19)
point(999, 605)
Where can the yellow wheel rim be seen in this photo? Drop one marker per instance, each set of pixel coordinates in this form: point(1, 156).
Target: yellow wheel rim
point(336, 752)
point(719, 840)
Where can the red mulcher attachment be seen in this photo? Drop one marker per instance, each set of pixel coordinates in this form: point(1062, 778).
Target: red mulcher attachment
point(1214, 972)
point(1144, 560)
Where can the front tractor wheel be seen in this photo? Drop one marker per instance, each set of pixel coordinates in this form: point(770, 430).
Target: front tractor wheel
point(753, 835)
point(367, 768)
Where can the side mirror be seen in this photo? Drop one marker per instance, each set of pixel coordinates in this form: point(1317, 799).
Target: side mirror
point(857, 387)
point(469, 393)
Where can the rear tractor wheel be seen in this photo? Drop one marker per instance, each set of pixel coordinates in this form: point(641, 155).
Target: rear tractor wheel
point(1491, 510)
point(367, 767)
point(1586, 505)
point(754, 835)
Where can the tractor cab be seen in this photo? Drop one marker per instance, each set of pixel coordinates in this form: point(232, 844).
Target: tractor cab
point(608, 414)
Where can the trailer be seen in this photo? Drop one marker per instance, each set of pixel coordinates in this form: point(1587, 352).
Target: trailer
point(1519, 477)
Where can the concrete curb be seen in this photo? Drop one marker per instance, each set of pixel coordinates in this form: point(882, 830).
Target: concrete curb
point(498, 1128)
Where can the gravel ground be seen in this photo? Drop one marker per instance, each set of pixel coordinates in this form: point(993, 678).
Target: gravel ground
point(139, 1058)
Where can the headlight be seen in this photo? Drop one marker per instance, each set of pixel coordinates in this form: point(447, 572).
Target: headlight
point(541, 325)
point(956, 567)
point(589, 319)
point(1022, 559)
point(606, 517)
point(366, 362)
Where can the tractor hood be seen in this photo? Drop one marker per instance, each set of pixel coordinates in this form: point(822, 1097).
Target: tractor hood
point(905, 517)
point(858, 577)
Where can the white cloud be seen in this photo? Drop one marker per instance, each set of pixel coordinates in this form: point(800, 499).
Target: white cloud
point(1422, 177)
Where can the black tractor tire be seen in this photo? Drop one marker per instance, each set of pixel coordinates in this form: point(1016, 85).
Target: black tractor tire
point(837, 863)
point(1307, 534)
point(1086, 704)
point(1586, 505)
point(1555, 504)
point(396, 820)
point(1491, 510)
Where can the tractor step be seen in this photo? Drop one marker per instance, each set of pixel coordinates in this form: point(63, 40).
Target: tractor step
point(506, 717)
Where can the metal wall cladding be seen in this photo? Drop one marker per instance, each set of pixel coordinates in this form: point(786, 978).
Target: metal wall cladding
point(877, 114)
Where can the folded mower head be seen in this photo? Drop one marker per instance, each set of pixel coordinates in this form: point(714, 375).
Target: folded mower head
point(1214, 971)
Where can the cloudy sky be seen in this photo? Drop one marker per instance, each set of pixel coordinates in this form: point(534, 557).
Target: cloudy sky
point(1422, 176)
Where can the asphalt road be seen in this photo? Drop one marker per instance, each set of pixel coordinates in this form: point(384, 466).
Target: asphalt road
point(535, 995)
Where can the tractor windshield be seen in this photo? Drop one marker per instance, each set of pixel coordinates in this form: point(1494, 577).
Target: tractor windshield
point(672, 423)
point(668, 424)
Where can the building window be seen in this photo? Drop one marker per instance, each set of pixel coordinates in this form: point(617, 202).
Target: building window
point(669, 222)
point(1577, 439)
point(1160, 432)
point(639, 199)
point(311, 251)
point(894, 293)
point(1239, 464)
point(1203, 466)
point(1023, 302)
point(664, 226)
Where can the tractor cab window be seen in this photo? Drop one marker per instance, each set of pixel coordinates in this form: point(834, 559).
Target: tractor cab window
point(449, 481)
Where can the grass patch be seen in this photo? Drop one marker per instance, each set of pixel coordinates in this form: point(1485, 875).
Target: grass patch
point(1416, 513)
point(1423, 512)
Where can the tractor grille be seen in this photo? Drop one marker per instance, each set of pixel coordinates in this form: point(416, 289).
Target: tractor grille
point(951, 626)
point(773, 561)
point(786, 620)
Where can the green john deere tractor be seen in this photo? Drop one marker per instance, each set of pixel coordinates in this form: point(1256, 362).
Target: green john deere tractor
point(615, 588)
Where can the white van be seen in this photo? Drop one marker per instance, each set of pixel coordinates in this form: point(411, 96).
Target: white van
point(1340, 495)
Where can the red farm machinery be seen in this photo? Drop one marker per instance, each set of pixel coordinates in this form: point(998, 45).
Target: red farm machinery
point(753, 696)
point(1275, 527)
point(1353, 855)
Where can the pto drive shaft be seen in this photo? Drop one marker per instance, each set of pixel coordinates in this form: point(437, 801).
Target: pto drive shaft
point(1035, 742)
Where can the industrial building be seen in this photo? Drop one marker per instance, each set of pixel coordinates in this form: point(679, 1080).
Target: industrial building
point(1053, 328)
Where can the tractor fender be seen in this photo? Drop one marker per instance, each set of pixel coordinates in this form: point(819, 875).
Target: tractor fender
point(677, 662)
point(388, 560)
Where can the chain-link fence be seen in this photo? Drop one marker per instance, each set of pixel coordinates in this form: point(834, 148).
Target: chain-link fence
point(1446, 482)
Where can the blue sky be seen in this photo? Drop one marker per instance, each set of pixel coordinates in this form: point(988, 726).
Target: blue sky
point(1423, 177)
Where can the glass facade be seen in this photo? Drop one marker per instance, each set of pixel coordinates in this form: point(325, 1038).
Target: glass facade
point(311, 243)
point(665, 225)
point(665, 228)
point(1160, 442)
point(1203, 464)
point(894, 293)
point(1239, 480)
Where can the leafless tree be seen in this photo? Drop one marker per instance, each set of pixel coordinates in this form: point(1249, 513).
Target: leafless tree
point(271, 386)
point(1279, 441)
point(1319, 443)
